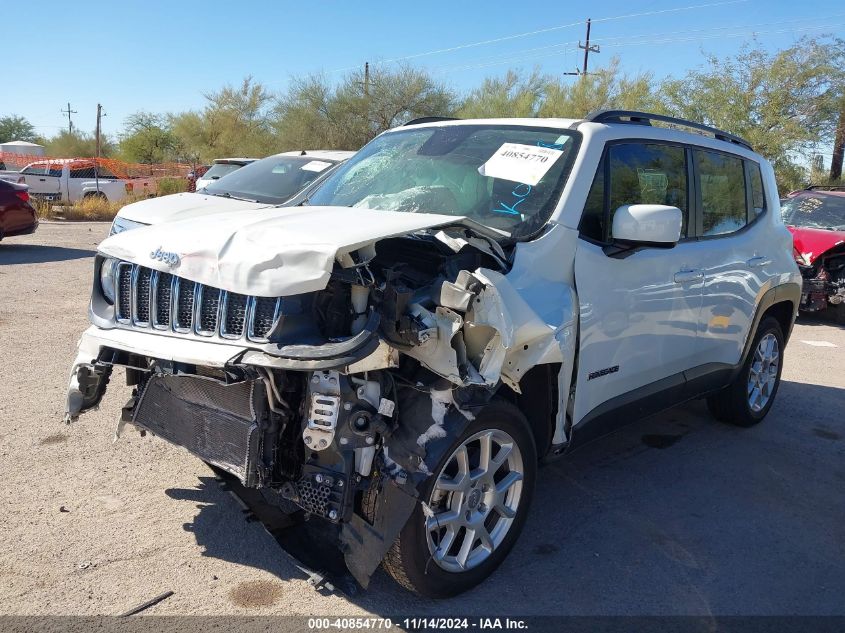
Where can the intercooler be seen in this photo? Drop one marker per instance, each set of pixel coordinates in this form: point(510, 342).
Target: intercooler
point(214, 421)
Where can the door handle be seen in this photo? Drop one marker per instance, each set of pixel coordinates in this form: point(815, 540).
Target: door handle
point(758, 261)
point(42, 179)
point(687, 275)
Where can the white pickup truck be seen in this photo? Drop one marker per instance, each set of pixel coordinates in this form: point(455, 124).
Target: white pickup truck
point(71, 180)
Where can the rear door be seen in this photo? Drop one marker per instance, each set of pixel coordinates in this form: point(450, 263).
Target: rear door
point(738, 259)
point(639, 309)
point(44, 180)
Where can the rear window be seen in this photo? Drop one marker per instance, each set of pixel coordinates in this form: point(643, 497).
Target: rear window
point(271, 180)
point(218, 170)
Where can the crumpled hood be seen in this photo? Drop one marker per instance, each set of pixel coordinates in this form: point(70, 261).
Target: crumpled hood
point(183, 206)
point(267, 252)
point(811, 243)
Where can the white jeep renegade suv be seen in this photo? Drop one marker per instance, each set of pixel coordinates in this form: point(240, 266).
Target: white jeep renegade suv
point(457, 301)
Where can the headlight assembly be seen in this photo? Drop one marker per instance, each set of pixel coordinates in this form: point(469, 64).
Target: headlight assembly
point(107, 271)
point(122, 224)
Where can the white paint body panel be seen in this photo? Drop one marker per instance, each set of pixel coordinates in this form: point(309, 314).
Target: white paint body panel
point(183, 206)
point(271, 252)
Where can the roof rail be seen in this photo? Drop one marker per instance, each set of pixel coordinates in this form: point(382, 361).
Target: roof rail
point(825, 188)
point(645, 118)
point(430, 119)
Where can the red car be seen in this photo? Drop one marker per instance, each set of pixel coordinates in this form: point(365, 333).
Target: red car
point(17, 216)
point(816, 218)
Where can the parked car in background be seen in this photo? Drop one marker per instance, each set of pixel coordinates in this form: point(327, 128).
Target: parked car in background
point(17, 216)
point(816, 218)
point(195, 174)
point(222, 167)
point(459, 300)
point(271, 181)
point(73, 179)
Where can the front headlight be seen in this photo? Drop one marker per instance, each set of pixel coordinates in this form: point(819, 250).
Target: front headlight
point(122, 224)
point(107, 271)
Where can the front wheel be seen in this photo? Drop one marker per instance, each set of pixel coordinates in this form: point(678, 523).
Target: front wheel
point(747, 400)
point(476, 504)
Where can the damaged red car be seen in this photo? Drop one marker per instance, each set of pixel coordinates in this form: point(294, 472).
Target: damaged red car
point(816, 218)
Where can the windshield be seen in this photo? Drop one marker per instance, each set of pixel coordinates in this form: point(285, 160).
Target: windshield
point(507, 177)
point(272, 180)
point(814, 210)
point(218, 170)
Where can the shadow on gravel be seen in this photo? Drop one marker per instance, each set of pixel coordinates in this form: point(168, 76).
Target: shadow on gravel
point(826, 317)
point(37, 254)
point(673, 515)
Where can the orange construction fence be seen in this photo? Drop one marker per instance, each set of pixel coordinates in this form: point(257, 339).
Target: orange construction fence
point(119, 168)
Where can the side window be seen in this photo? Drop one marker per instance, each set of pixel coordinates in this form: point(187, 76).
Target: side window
point(758, 197)
point(648, 173)
point(640, 173)
point(34, 170)
point(82, 172)
point(592, 219)
point(722, 186)
point(55, 171)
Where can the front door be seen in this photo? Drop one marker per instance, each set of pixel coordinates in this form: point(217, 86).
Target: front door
point(638, 310)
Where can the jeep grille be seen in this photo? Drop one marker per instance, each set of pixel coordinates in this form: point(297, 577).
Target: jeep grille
point(151, 299)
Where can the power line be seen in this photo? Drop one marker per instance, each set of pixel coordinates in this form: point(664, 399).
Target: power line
point(636, 40)
point(548, 30)
point(481, 62)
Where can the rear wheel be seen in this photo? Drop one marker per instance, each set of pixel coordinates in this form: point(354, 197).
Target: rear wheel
point(747, 400)
point(476, 505)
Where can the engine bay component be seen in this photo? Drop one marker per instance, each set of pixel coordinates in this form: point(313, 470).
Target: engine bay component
point(219, 423)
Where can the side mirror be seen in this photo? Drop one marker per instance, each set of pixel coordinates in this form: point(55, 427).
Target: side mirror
point(648, 224)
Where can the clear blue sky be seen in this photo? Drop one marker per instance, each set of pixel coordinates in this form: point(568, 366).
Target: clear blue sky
point(161, 56)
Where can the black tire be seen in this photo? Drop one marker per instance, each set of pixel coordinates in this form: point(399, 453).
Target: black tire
point(731, 404)
point(409, 561)
point(839, 314)
point(95, 195)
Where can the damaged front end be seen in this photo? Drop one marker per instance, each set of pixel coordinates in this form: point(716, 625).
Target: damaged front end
point(824, 280)
point(323, 396)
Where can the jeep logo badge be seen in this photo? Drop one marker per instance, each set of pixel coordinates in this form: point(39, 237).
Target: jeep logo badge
point(171, 259)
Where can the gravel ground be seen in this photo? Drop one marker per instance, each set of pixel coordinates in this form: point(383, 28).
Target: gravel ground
point(677, 514)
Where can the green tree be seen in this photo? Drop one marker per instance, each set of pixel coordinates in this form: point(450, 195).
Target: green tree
point(784, 103)
point(314, 115)
point(510, 96)
point(16, 128)
point(519, 95)
point(148, 139)
point(78, 144)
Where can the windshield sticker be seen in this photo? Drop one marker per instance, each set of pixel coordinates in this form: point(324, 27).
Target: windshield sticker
point(316, 165)
point(526, 164)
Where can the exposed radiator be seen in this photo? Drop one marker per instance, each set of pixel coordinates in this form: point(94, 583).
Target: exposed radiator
point(214, 421)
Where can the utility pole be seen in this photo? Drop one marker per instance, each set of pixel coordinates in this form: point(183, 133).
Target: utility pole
point(366, 79)
point(68, 112)
point(97, 133)
point(588, 49)
point(838, 148)
point(97, 157)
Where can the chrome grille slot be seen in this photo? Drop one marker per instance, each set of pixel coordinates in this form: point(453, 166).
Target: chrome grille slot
point(183, 312)
point(263, 315)
point(208, 305)
point(162, 292)
point(234, 315)
point(124, 292)
point(141, 295)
